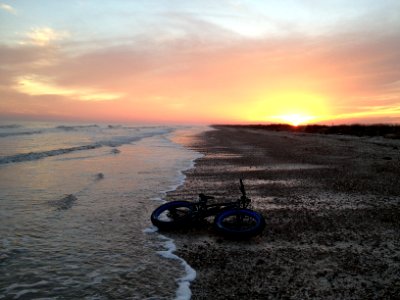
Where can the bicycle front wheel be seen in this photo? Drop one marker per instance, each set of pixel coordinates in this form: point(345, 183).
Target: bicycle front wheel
point(173, 215)
point(239, 223)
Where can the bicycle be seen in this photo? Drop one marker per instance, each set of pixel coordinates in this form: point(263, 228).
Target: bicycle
point(232, 219)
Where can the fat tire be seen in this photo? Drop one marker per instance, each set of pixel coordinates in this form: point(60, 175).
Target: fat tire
point(239, 233)
point(183, 220)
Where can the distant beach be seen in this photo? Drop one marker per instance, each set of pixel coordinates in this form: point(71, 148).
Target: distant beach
point(332, 208)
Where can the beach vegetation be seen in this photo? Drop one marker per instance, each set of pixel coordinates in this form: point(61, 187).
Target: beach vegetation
point(384, 130)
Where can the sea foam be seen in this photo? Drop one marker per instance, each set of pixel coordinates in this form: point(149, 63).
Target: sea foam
point(183, 292)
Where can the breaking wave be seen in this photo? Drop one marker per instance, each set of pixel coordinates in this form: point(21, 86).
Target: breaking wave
point(10, 126)
point(14, 129)
point(5, 134)
point(110, 143)
point(43, 154)
point(77, 127)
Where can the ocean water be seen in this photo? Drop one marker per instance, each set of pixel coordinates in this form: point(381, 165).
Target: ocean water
point(75, 202)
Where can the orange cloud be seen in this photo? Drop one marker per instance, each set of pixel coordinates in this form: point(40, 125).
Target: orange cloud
point(200, 78)
point(36, 86)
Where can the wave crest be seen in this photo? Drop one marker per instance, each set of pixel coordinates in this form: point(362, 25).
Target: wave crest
point(10, 126)
point(113, 143)
point(5, 134)
point(39, 155)
point(77, 127)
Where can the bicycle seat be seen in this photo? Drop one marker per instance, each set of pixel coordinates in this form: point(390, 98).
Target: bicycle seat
point(205, 197)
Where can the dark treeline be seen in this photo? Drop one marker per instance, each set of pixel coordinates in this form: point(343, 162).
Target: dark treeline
point(385, 130)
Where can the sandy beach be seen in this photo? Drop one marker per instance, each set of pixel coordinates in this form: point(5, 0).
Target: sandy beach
point(332, 211)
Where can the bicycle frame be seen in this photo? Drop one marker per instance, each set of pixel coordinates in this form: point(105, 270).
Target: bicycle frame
point(204, 210)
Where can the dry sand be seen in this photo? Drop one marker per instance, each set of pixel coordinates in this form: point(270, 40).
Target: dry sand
point(332, 208)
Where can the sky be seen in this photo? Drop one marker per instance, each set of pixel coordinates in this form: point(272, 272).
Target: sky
point(177, 61)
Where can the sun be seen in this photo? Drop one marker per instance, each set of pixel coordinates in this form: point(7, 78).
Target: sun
point(295, 119)
point(287, 107)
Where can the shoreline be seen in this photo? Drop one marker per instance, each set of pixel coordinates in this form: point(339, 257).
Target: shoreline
point(332, 221)
point(182, 291)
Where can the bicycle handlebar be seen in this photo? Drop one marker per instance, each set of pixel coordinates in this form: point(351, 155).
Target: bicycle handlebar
point(243, 201)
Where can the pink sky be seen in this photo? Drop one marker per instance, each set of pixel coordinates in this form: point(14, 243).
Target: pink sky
point(187, 64)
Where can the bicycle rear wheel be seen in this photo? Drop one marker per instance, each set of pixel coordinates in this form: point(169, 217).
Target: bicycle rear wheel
point(239, 223)
point(173, 215)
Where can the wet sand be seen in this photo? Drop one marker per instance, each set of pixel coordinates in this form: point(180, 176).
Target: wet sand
point(332, 209)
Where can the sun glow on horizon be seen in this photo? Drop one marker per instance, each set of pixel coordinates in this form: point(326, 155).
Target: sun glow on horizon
point(294, 108)
point(294, 119)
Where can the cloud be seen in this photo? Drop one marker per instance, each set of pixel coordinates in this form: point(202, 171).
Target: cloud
point(212, 75)
point(38, 86)
point(24, 58)
point(44, 36)
point(372, 114)
point(7, 8)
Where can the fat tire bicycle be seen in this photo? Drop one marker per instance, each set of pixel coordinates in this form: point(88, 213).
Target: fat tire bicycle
point(232, 219)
